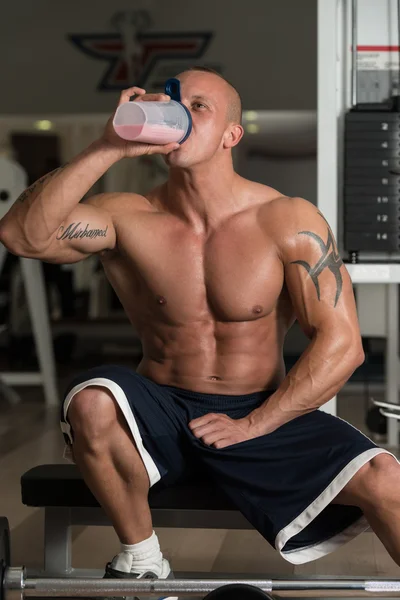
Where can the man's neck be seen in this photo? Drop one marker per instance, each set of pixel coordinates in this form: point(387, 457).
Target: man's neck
point(205, 195)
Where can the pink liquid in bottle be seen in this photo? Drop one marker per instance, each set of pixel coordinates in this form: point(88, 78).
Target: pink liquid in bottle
point(128, 132)
point(149, 133)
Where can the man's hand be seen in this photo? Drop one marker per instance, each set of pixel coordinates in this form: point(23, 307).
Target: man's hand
point(220, 431)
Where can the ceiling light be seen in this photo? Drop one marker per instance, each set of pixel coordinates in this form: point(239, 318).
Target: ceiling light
point(252, 128)
point(250, 115)
point(43, 125)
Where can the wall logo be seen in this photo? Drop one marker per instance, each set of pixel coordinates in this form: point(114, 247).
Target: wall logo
point(138, 58)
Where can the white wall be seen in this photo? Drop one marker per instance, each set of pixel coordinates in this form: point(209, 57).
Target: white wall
point(377, 22)
point(268, 49)
point(378, 66)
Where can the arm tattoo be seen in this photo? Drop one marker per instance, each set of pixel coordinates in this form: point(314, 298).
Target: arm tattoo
point(29, 191)
point(330, 259)
point(74, 231)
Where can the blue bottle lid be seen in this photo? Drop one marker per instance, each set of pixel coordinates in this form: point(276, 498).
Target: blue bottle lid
point(173, 89)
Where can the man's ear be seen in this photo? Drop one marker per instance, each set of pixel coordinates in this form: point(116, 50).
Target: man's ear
point(233, 135)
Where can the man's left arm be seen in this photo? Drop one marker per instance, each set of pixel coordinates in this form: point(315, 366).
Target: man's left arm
point(322, 296)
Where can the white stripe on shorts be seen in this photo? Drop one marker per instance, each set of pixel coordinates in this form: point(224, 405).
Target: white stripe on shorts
point(122, 400)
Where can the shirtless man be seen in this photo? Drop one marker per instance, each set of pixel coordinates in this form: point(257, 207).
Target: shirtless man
point(212, 271)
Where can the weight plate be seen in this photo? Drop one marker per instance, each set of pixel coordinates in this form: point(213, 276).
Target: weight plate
point(371, 136)
point(371, 226)
point(366, 200)
point(372, 117)
point(388, 180)
point(367, 145)
point(368, 242)
point(378, 190)
point(389, 213)
point(355, 161)
point(368, 153)
point(376, 172)
point(5, 552)
point(237, 591)
point(372, 126)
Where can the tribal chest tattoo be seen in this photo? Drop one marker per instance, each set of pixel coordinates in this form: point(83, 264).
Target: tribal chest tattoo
point(330, 259)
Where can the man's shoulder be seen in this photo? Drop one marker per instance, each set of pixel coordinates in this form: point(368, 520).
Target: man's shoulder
point(270, 200)
point(279, 203)
point(283, 217)
point(119, 203)
point(284, 212)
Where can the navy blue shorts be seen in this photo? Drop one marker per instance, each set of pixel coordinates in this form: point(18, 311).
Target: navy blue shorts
point(282, 482)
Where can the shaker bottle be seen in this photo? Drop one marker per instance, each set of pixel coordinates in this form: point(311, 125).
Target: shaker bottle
point(155, 122)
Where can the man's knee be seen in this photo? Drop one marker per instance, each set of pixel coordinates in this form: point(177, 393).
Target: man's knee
point(92, 413)
point(377, 483)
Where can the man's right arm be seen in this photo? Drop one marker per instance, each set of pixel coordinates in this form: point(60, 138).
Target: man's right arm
point(49, 223)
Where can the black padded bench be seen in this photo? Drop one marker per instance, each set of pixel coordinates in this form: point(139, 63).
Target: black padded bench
point(66, 500)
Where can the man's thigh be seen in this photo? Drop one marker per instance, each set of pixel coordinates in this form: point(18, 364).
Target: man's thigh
point(285, 482)
point(154, 419)
point(377, 479)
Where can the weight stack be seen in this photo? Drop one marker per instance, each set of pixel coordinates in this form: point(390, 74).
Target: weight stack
point(372, 182)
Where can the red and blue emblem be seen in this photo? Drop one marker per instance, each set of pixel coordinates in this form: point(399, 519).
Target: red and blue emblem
point(154, 49)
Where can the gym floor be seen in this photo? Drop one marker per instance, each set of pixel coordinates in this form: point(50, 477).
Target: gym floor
point(30, 435)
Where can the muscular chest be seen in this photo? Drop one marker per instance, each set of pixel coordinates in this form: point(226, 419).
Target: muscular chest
point(232, 275)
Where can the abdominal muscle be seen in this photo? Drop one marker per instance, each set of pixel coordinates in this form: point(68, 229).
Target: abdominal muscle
point(214, 358)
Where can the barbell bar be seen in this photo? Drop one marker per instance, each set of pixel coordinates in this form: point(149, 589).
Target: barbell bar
point(17, 586)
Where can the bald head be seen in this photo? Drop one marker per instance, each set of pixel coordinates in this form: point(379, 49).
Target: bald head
point(234, 108)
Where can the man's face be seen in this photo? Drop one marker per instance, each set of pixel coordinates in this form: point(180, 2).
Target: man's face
point(207, 98)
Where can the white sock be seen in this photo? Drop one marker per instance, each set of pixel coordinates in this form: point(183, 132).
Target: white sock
point(141, 557)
